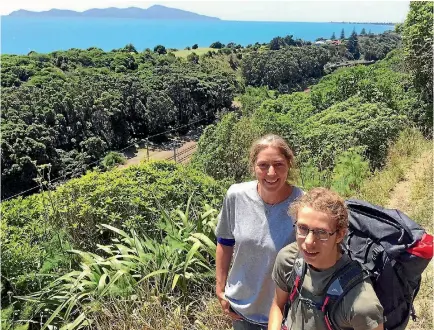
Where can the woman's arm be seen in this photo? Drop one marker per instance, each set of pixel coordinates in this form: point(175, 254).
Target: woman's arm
point(277, 307)
point(223, 261)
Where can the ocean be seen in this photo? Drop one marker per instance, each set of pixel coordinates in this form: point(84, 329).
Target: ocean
point(44, 35)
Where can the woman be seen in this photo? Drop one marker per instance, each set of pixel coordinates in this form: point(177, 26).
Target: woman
point(253, 226)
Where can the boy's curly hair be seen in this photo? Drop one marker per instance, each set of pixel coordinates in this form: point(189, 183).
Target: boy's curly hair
point(323, 200)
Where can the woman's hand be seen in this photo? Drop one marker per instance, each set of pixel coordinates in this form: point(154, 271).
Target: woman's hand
point(226, 306)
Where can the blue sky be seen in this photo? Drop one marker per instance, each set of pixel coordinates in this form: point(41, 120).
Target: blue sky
point(244, 10)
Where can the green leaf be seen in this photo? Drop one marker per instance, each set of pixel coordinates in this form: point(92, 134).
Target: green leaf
point(78, 322)
point(190, 254)
point(102, 283)
point(154, 273)
point(175, 281)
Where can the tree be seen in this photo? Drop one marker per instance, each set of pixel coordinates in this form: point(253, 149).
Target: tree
point(363, 32)
point(160, 49)
point(289, 41)
point(399, 27)
point(130, 49)
point(376, 47)
point(342, 35)
point(418, 46)
point(195, 46)
point(223, 148)
point(193, 58)
point(106, 101)
point(353, 45)
point(217, 45)
point(275, 43)
point(94, 147)
point(333, 37)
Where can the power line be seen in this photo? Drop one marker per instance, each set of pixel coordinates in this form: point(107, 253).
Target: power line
point(97, 161)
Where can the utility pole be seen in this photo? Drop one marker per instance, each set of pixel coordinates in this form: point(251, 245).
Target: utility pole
point(174, 149)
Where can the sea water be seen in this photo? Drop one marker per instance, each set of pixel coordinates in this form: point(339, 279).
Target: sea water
point(21, 35)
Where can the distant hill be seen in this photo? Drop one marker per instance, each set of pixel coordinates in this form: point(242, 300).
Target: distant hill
point(153, 12)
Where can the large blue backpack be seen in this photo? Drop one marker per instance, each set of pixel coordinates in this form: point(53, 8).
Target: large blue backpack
point(384, 245)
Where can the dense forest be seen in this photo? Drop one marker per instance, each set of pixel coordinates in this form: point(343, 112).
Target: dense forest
point(70, 108)
point(134, 248)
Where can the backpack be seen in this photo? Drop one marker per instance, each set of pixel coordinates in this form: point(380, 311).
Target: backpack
point(384, 245)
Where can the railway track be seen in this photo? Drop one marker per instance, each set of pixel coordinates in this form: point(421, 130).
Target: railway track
point(184, 155)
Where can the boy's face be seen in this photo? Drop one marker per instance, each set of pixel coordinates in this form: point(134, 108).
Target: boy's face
point(321, 254)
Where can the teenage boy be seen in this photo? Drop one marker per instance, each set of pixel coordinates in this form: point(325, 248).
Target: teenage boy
point(316, 259)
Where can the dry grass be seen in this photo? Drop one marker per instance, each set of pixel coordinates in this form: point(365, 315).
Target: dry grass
point(406, 150)
point(406, 182)
point(421, 198)
point(199, 51)
point(151, 313)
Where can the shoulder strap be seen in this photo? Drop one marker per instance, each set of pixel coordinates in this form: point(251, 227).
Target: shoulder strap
point(342, 282)
point(297, 276)
point(296, 281)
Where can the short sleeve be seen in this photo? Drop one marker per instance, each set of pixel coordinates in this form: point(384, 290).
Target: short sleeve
point(226, 219)
point(361, 309)
point(283, 266)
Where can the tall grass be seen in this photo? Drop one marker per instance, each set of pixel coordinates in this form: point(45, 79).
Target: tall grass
point(402, 153)
point(422, 212)
point(173, 269)
point(150, 312)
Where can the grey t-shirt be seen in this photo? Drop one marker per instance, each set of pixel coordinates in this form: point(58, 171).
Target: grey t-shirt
point(360, 308)
point(260, 231)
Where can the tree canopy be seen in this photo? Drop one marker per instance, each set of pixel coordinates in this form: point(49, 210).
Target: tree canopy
point(418, 44)
point(69, 108)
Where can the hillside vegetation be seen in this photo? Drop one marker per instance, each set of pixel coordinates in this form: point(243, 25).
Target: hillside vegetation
point(70, 108)
point(135, 248)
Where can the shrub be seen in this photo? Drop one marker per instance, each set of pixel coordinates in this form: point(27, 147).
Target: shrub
point(112, 159)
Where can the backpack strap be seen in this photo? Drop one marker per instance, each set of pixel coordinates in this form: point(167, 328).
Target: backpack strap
point(340, 284)
point(296, 281)
point(298, 273)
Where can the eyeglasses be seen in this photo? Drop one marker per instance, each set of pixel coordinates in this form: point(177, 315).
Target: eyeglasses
point(319, 234)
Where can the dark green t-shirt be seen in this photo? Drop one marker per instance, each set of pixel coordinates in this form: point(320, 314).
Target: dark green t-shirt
point(360, 308)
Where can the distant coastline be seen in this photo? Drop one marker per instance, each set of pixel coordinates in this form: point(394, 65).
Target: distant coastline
point(375, 23)
point(153, 12)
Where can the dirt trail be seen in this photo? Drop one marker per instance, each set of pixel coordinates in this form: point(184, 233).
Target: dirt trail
point(400, 195)
point(400, 198)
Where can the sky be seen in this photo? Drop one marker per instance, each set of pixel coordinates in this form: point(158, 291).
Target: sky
point(244, 10)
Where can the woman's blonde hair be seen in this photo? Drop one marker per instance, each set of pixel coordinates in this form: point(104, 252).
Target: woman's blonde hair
point(270, 140)
point(323, 200)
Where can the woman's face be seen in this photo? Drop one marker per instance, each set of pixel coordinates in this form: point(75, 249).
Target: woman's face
point(271, 169)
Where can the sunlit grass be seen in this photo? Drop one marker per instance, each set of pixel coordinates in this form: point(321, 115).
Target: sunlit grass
point(198, 51)
point(422, 202)
point(402, 154)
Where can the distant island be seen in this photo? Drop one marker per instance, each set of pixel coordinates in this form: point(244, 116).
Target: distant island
point(153, 12)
